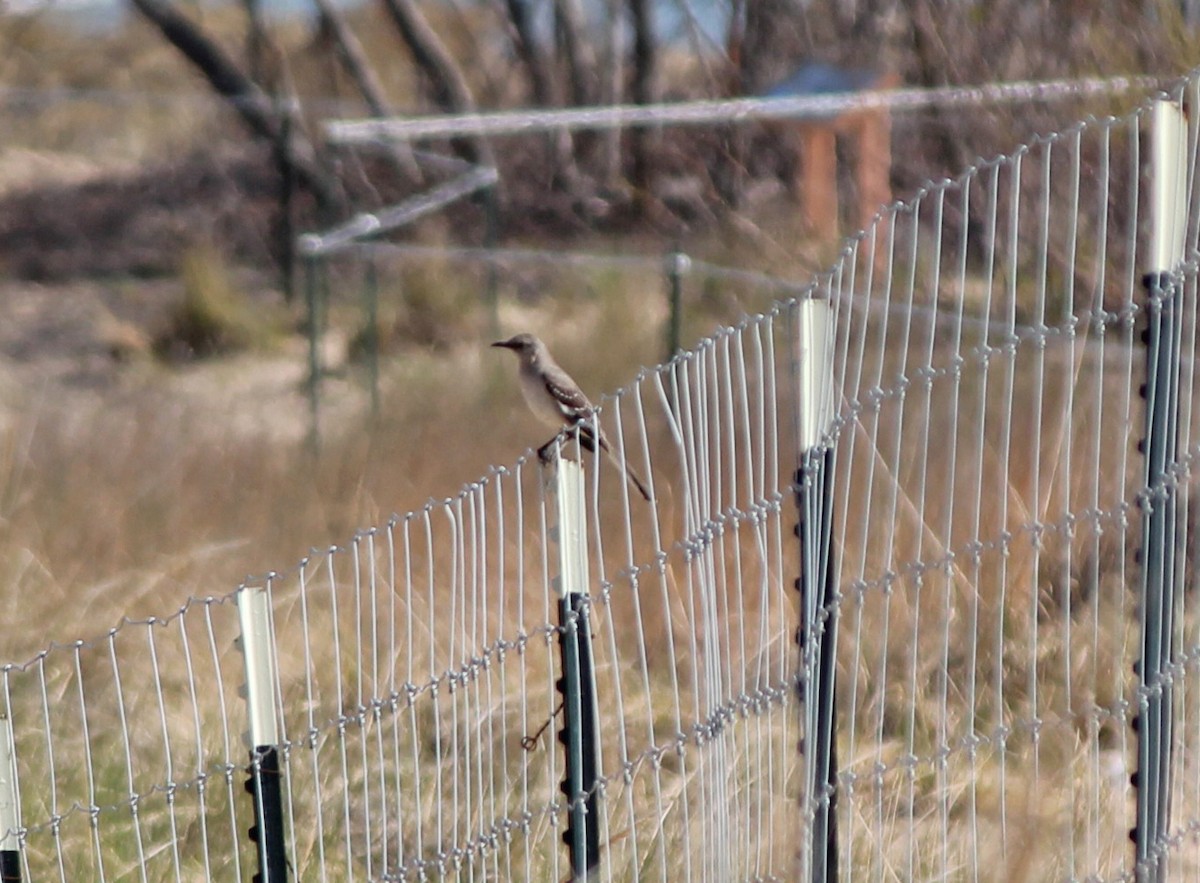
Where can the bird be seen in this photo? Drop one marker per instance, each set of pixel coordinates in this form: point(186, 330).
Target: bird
point(558, 401)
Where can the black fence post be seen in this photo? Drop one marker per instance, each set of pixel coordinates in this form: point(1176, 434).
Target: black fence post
point(267, 831)
point(1153, 724)
point(817, 637)
point(578, 735)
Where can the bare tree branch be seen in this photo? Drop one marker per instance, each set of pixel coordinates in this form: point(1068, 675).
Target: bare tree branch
point(353, 56)
point(644, 52)
point(560, 145)
point(526, 44)
point(450, 90)
point(258, 112)
point(256, 39)
point(354, 59)
point(581, 61)
point(771, 37)
point(642, 87)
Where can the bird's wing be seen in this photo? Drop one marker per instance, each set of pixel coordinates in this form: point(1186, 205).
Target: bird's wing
point(575, 407)
point(570, 399)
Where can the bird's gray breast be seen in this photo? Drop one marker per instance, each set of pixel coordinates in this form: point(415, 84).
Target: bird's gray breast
point(542, 400)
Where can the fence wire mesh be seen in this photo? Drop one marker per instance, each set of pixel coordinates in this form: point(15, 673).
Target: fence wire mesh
point(986, 500)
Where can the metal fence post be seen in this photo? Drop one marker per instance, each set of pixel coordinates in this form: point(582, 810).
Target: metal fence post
point(287, 195)
point(312, 297)
point(491, 235)
point(817, 633)
point(678, 264)
point(10, 807)
point(371, 332)
point(264, 784)
point(1160, 516)
point(577, 683)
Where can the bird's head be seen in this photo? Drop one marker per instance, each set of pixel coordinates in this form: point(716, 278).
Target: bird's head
point(521, 344)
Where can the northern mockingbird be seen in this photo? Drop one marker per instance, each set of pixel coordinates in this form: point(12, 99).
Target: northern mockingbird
point(558, 401)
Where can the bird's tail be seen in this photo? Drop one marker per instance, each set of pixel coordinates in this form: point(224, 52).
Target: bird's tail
point(634, 479)
point(630, 472)
point(588, 440)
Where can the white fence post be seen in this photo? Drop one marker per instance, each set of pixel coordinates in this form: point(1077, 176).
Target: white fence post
point(254, 616)
point(577, 683)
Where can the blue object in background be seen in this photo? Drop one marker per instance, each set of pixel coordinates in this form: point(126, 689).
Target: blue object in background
point(818, 78)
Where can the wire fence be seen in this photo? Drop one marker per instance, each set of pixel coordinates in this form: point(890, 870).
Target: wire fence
point(918, 475)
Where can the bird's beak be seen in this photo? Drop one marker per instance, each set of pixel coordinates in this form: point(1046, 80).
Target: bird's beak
point(507, 344)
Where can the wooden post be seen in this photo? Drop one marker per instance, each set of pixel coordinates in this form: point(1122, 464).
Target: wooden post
point(874, 171)
point(818, 160)
point(815, 184)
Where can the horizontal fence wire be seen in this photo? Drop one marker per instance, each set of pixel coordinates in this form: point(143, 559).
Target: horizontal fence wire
point(986, 503)
point(708, 111)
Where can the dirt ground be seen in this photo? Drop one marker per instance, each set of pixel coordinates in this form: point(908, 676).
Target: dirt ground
point(77, 347)
point(89, 278)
